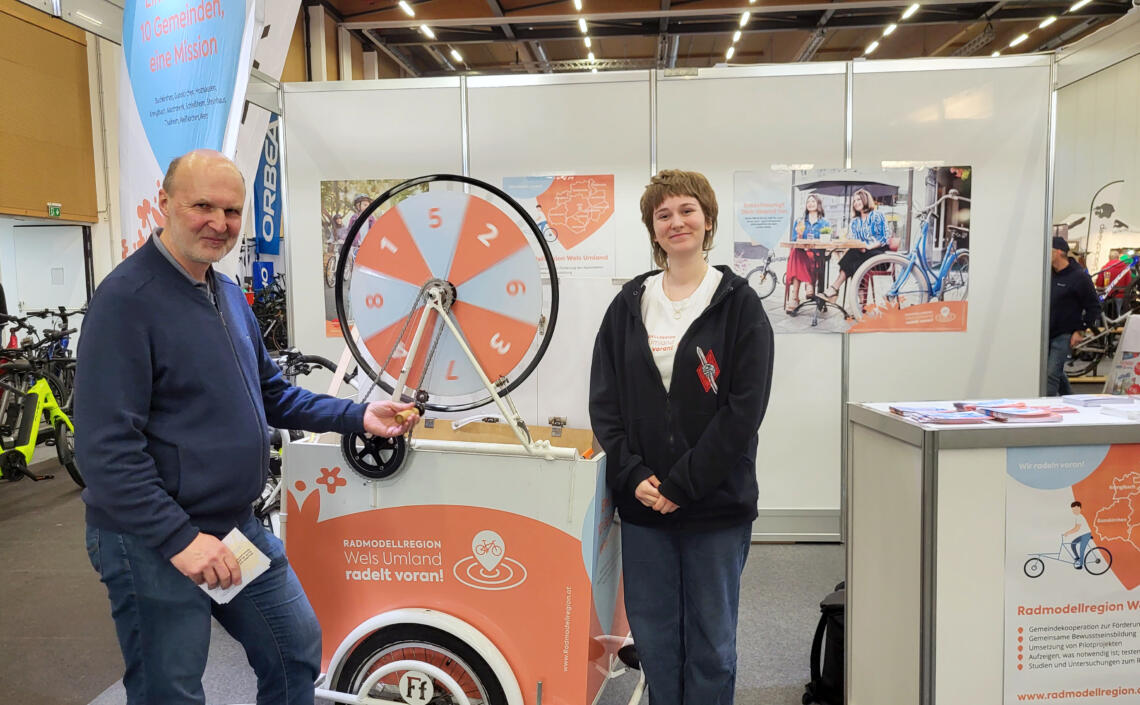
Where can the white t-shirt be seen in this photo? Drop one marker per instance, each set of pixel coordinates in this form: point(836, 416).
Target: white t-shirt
point(1082, 525)
point(666, 320)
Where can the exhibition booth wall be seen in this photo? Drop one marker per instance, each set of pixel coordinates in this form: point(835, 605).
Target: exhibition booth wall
point(990, 114)
point(1098, 159)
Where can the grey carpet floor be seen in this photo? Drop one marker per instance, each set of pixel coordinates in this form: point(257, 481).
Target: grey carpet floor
point(59, 643)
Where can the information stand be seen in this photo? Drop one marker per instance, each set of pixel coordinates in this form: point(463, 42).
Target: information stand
point(958, 573)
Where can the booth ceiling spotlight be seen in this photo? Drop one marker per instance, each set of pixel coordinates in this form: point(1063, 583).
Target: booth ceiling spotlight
point(510, 36)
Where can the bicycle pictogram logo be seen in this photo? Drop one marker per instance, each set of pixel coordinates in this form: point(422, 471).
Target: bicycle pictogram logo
point(488, 546)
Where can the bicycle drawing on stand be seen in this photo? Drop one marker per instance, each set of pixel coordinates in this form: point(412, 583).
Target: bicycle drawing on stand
point(1097, 560)
point(894, 280)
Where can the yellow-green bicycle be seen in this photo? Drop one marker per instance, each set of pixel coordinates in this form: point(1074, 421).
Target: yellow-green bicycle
point(23, 410)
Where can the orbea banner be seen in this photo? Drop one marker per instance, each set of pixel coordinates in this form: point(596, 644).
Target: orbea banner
point(183, 64)
point(267, 195)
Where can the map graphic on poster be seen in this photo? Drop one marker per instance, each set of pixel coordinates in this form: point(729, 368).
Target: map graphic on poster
point(856, 250)
point(182, 64)
point(341, 204)
point(1072, 607)
point(575, 216)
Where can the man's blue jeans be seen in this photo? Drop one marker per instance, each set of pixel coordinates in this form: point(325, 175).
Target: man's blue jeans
point(682, 591)
point(1056, 383)
point(1080, 546)
point(163, 623)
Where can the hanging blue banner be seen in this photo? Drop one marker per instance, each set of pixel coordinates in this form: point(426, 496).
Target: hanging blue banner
point(267, 194)
point(262, 274)
point(183, 63)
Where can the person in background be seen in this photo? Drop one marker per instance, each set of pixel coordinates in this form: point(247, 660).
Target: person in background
point(681, 442)
point(174, 393)
point(359, 204)
point(1114, 280)
point(1073, 307)
point(868, 226)
point(801, 262)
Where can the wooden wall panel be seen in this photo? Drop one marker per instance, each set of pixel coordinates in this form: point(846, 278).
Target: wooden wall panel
point(296, 66)
point(357, 58)
point(46, 151)
point(332, 58)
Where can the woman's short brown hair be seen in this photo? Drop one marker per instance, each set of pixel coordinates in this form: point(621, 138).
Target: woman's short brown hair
point(674, 182)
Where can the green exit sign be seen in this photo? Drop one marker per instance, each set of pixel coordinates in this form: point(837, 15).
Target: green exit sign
point(53, 210)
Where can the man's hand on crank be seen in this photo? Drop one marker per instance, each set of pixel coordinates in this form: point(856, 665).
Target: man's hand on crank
point(380, 418)
point(208, 560)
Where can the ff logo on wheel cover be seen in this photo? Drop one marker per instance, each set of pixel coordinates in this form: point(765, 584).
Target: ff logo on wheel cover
point(416, 688)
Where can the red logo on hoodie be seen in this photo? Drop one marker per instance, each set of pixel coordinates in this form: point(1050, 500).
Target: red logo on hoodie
point(707, 370)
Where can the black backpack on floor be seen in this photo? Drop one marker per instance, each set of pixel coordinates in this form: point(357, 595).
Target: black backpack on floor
point(826, 686)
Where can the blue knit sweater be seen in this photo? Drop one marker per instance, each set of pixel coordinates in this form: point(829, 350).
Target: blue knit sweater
point(172, 399)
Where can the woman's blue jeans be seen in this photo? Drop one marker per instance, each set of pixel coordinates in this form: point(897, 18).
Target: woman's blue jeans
point(682, 593)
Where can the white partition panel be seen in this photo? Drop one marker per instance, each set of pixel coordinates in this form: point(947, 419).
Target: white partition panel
point(565, 125)
point(747, 119)
point(569, 124)
point(355, 130)
point(992, 115)
point(1098, 141)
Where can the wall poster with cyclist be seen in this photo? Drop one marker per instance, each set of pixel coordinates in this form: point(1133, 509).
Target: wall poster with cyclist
point(576, 217)
point(856, 250)
point(1072, 573)
point(342, 202)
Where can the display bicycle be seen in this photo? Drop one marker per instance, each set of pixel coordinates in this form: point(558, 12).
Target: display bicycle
point(895, 280)
point(26, 407)
point(478, 564)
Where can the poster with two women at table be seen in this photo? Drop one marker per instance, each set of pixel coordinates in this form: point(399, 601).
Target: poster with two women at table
point(856, 250)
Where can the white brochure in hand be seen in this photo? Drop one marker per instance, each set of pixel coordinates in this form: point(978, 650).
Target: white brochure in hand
point(249, 558)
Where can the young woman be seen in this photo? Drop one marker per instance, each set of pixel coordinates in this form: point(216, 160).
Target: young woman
point(868, 226)
point(681, 373)
point(801, 263)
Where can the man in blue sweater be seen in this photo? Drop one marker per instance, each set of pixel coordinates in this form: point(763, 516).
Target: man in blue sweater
point(174, 392)
point(1073, 307)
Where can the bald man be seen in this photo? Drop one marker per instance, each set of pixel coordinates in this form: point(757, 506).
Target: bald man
point(174, 391)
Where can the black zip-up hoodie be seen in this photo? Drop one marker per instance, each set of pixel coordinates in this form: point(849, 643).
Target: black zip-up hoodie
point(700, 443)
point(1073, 303)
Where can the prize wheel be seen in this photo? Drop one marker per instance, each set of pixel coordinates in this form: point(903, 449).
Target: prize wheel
point(477, 250)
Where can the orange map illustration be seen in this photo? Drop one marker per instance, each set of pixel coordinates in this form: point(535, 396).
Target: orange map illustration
point(1111, 499)
point(577, 206)
point(1117, 521)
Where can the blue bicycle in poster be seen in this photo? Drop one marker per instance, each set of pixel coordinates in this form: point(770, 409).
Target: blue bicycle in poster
point(896, 280)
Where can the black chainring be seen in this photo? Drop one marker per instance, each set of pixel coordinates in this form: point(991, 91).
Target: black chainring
point(374, 457)
point(12, 464)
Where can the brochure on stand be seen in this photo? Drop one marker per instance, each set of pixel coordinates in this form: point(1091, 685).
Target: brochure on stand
point(1072, 410)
